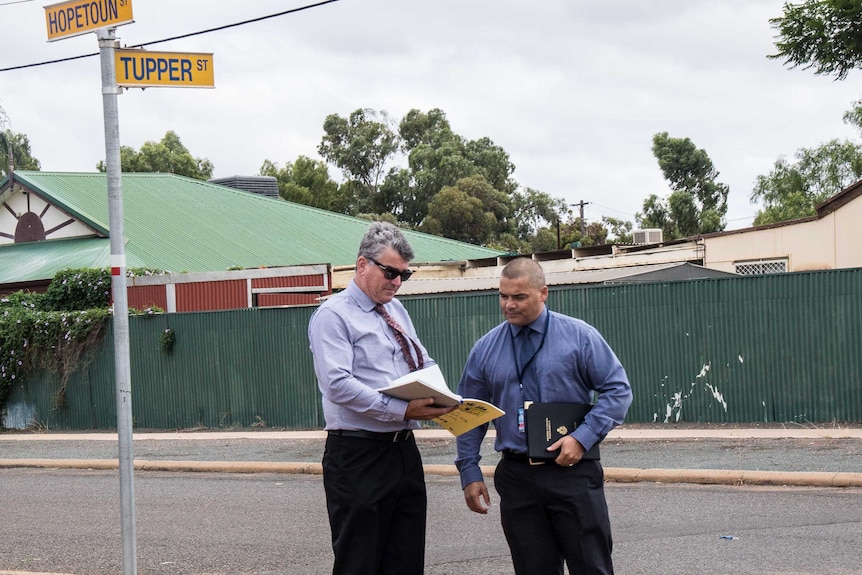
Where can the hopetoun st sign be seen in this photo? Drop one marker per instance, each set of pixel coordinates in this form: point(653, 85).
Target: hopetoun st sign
point(78, 17)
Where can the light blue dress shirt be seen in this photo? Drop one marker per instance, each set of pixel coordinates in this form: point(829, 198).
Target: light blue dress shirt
point(355, 353)
point(572, 361)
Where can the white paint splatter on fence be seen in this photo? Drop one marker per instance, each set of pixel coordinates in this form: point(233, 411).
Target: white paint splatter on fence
point(673, 409)
point(676, 406)
point(718, 396)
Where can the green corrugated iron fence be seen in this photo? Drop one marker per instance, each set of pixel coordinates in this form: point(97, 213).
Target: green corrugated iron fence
point(780, 348)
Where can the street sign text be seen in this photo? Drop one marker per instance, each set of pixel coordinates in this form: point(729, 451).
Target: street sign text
point(142, 68)
point(81, 16)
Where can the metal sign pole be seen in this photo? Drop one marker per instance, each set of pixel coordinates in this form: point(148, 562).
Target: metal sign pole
point(107, 44)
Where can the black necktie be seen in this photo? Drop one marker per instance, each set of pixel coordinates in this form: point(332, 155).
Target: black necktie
point(402, 339)
point(529, 381)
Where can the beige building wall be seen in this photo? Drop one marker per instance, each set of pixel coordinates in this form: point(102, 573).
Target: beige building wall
point(830, 242)
point(848, 235)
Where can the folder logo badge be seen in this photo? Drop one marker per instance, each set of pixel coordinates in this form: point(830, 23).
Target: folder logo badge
point(563, 430)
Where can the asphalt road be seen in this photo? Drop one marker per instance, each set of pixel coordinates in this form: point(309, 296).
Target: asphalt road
point(67, 521)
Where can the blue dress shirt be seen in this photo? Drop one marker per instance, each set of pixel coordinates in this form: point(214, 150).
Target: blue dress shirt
point(355, 353)
point(572, 361)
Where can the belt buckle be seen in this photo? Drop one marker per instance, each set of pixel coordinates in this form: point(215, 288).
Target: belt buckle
point(399, 436)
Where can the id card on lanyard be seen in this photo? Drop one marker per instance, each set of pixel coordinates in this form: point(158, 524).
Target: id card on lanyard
point(522, 426)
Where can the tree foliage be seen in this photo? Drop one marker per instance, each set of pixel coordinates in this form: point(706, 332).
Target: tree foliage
point(18, 144)
point(360, 145)
point(823, 35)
point(438, 157)
point(534, 208)
point(451, 185)
point(575, 233)
point(307, 182)
point(456, 214)
point(470, 211)
point(169, 156)
point(792, 190)
point(21, 154)
point(697, 203)
point(619, 230)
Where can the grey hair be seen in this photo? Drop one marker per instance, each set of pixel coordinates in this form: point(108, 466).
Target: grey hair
point(382, 235)
point(525, 267)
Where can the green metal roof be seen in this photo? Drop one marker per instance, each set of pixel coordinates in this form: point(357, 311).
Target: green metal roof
point(34, 261)
point(184, 225)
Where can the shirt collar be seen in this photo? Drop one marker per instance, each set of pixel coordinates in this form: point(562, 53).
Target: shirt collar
point(361, 298)
point(538, 324)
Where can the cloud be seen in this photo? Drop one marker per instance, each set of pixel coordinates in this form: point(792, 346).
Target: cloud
point(573, 91)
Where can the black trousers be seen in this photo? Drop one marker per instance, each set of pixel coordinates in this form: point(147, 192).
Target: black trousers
point(376, 499)
point(552, 514)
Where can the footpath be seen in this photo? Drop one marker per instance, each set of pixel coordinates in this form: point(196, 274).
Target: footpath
point(800, 456)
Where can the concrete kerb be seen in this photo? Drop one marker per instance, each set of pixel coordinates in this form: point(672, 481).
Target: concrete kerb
point(612, 474)
point(621, 433)
point(734, 477)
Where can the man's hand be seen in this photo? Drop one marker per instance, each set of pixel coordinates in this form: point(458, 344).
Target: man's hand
point(571, 451)
point(422, 409)
point(477, 497)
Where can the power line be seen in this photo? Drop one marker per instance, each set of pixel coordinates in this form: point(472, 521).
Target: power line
point(14, 2)
point(181, 36)
point(632, 215)
point(614, 210)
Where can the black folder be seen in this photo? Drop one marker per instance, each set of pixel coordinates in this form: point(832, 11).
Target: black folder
point(548, 422)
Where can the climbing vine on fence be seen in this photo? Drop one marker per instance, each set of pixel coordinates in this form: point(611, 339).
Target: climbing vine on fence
point(54, 330)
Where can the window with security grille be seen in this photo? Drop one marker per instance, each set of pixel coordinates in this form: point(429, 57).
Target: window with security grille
point(761, 267)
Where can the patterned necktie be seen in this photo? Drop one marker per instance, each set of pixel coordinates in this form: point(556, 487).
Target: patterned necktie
point(402, 339)
point(529, 381)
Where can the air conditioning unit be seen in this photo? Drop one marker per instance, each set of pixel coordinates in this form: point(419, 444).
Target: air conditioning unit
point(648, 236)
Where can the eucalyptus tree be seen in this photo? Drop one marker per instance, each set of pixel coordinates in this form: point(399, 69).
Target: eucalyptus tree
point(822, 35)
point(168, 156)
point(14, 147)
point(361, 146)
point(794, 188)
point(697, 203)
point(306, 181)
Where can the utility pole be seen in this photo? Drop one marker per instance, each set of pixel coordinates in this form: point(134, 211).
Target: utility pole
point(581, 205)
point(122, 368)
point(559, 245)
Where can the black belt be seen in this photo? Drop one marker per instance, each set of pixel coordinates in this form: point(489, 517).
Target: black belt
point(523, 458)
point(393, 436)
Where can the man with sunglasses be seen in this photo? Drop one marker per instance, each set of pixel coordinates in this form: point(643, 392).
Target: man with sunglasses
point(361, 339)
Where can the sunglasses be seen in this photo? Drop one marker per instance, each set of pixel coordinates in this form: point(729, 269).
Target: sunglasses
point(391, 273)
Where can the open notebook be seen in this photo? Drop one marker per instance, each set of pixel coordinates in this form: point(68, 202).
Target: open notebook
point(429, 382)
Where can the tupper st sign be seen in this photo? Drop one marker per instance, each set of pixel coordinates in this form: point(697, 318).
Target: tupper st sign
point(142, 68)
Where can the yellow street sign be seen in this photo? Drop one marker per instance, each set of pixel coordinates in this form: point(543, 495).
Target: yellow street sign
point(78, 17)
point(143, 68)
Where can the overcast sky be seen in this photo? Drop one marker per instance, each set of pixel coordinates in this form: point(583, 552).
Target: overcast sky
point(573, 90)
